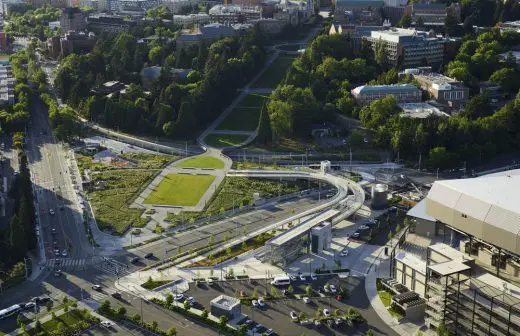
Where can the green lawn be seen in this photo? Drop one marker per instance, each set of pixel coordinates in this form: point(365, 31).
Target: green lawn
point(67, 322)
point(180, 189)
point(225, 140)
point(244, 117)
point(385, 297)
point(152, 284)
point(275, 73)
point(201, 162)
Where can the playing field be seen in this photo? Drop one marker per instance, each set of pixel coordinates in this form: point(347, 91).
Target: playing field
point(201, 162)
point(180, 189)
point(225, 140)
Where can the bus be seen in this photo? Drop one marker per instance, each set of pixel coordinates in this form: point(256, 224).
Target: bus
point(281, 281)
point(14, 309)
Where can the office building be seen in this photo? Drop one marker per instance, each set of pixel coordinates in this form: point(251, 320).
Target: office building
point(409, 48)
point(403, 93)
point(191, 19)
point(444, 90)
point(225, 305)
point(230, 14)
point(72, 19)
point(109, 23)
point(293, 243)
point(359, 12)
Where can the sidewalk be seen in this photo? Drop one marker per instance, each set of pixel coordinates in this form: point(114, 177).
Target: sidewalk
point(404, 328)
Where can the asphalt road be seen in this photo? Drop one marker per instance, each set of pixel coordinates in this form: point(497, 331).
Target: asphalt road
point(199, 237)
point(55, 190)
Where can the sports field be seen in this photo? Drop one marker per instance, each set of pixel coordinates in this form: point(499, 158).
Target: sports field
point(180, 189)
point(201, 162)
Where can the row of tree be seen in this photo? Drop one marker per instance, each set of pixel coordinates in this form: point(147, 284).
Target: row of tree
point(33, 23)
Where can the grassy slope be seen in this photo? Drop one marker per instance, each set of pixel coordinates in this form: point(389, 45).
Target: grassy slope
point(180, 189)
point(202, 162)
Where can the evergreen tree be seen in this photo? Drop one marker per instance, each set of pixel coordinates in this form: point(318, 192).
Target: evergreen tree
point(265, 135)
point(202, 55)
point(186, 122)
point(17, 239)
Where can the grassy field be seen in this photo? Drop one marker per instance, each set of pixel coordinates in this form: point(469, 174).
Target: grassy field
point(275, 73)
point(180, 189)
point(225, 140)
point(244, 117)
point(238, 191)
point(73, 319)
point(114, 188)
point(202, 162)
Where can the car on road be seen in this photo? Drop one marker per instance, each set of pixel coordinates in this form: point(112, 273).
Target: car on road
point(107, 324)
point(178, 297)
point(254, 303)
point(117, 295)
point(96, 288)
point(57, 252)
point(261, 301)
point(293, 315)
point(326, 312)
point(57, 273)
point(355, 235)
point(344, 253)
point(64, 253)
point(53, 231)
point(51, 212)
point(314, 277)
point(269, 332)
point(29, 305)
point(148, 255)
point(306, 300)
point(302, 277)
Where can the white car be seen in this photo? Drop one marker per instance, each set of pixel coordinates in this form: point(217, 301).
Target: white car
point(326, 312)
point(51, 212)
point(96, 288)
point(326, 289)
point(178, 297)
point(107, 324)
point(344, 253)
point(333, 289)
point(254, 303)
point(293, 277)
point(302, 277)
point(30, 305)
point(293, 315)
point(261, 301)
point(314, 277)
point(64, 253)
point(306, 300)
point(317, 323)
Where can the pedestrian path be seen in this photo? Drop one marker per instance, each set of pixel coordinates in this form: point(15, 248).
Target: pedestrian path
point(69, 264)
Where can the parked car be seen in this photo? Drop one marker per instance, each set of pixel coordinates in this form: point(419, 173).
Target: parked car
point(317, 323)
point(326, 312)
point(57, 273)
point(64, 253)
point(261, 301)
point(337, 321)
point(254, 303)
point(344, 253)
point(135, 260)
point(107, 324)
point(178, 297)
point(293, 277)
point(332, 289)
point(29, 305)
point(96, 288)
point(302, 277)
point(306, 300)
point(269, 332)
point(293, 315)
point(314, 277)
point(117, 295)
point(305, 322)
point(148, 255)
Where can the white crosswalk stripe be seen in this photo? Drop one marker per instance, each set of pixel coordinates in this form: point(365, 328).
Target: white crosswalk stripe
point(112, 267)
point(71, 264)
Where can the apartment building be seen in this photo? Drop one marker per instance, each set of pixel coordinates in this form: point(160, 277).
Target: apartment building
point(72, 19)
point(444, 90)
point(361, 12)
point(191, 19)
point(409, 48)
point(7, 84)
point(230, 14)
point(403, 93)
point(109, 23)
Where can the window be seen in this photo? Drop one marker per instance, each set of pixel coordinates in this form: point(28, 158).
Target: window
point(464, 215)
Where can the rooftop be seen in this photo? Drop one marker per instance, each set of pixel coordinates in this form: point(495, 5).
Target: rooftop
point(449, 267)
point(419, 211)
point(385, 88)
point(420, 110)
point(402, 35)
point(436, 78)
point(304, 227)
point(225, 302)
point(449, 252)
point(412, 261)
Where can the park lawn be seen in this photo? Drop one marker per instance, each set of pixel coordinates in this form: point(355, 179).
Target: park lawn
point(244, 117)
point(275, 73)
point(201, 162)
point(111, 204)
point(180, 189)
point(385, 297)
point(70, 320)
point(225, 140)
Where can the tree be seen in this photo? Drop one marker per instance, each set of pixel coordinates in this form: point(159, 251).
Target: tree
point(169, 300)
point(370, 332)
point(507, 78)
point(18, 140)
point(242, 330)
point(172, 332)
point(390, 235)
point(405, 21)
point(440, 158)
point(154, 325)
point(302, 316)
point(419, 23)
point(186, 305)
point(205, 312)
point(265, 135)
point(451, 26)
point(254, 295)
point(290, 289)
point(223, 320)
point(274, 292)
point(308, 290)
point(186, 121)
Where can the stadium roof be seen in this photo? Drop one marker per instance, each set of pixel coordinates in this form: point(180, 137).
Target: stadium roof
point(485, 207)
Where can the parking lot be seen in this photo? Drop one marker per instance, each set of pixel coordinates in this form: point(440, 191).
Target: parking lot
point(275, 314)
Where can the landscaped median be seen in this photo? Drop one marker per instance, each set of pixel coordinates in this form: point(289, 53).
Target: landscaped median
point(152, 284)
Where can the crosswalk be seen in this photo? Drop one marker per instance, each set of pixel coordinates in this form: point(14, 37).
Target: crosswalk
point(71, 264)
point(112, 267)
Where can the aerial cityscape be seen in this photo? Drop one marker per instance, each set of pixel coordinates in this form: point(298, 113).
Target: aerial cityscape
point(260, 167)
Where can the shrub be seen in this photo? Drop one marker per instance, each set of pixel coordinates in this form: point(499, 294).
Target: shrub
point(205, 313)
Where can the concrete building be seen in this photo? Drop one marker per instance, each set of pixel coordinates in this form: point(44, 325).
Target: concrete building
point(7, 84)
point(72, 19)
point(409, 48)
point(135, 7)
point(321, 237)
point(403, 93)
point(225, 305)
point(191, 19)
point(420, 111)
point(359, 12)
point(289, 246)
point(109, 23)
point(444, 90)
point(71, 42)
point(229, 14)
